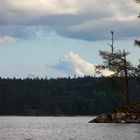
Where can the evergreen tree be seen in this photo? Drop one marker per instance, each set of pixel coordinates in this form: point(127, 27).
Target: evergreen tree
point(116, 62)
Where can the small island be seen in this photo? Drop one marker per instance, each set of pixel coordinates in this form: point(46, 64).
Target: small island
point(126, 114)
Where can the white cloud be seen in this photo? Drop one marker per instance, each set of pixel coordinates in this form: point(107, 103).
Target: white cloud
point(7, 40)
point(70, 65)
point(73, 64)
point(37, 8)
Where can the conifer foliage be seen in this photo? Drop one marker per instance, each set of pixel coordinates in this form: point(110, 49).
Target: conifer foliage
point(116, 61)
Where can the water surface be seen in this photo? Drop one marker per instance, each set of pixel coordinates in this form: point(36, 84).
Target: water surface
point(64, 128)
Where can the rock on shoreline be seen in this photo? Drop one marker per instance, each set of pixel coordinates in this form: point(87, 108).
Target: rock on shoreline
point(125, 114)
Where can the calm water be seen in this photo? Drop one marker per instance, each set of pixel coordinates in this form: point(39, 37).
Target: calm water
point(64, 128)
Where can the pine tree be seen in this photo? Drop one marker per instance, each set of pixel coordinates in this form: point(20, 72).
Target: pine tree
point(116, 62)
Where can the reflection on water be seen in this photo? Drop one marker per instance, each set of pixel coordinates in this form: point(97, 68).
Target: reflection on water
point(64, 128)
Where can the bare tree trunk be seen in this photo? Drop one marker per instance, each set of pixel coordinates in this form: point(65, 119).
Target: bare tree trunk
point(126, 80)
point(112, 46)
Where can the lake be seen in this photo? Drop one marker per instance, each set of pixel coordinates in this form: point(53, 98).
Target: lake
point(64, 128)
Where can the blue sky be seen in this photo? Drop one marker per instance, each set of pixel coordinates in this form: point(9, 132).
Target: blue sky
point(59, 38)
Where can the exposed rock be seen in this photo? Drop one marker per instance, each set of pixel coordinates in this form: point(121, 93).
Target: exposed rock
point(126, 114)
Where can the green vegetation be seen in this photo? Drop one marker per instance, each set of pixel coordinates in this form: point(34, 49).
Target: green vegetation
point(64, 96)
point(131, 108)
point(129, 113)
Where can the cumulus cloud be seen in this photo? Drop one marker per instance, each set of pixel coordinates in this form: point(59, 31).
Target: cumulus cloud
point(88, 20)
point(7, 40)
point(70, 65)
point(73, 64)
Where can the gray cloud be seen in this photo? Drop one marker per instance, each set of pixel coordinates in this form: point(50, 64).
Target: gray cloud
point(87, 20)
point(99, 30)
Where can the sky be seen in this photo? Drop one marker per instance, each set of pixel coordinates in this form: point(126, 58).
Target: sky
point(61, 38)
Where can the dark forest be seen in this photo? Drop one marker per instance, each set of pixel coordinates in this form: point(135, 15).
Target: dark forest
point(64, 96)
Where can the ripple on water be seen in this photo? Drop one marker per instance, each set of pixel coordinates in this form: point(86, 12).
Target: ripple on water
point(64, 128)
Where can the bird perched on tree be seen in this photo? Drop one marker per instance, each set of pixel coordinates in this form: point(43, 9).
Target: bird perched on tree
point(112, 32)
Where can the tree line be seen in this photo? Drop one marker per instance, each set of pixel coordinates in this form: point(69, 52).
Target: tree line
point(64, 96)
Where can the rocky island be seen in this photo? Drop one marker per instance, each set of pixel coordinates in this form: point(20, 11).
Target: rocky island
point(126, 114)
